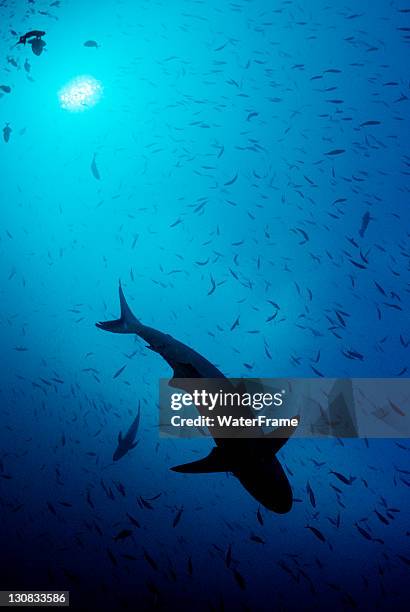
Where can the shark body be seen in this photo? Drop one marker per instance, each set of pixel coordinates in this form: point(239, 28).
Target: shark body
point(252, 461)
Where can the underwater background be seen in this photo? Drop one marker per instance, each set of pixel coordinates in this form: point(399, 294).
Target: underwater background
point(245, 158)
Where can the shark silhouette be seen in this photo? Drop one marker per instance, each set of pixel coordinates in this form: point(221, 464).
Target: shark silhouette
point(127, 442)
point(251, 460)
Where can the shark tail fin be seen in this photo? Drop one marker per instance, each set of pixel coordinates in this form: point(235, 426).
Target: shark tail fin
point(214, 462)
point(126, 324)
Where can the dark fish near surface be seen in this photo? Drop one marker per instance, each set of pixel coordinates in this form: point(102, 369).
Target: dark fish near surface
point(251, 460)
point(31, 34)
point(91, 44)
point(6, 132)
point(94, 169)
point(37, 45)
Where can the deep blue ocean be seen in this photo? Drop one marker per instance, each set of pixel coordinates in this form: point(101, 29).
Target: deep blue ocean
point(235, 160)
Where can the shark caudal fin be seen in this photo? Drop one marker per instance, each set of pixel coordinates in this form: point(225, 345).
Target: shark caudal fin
point(126, 324)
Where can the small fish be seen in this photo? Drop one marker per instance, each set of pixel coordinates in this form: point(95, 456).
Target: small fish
point(31, 34)
point(37, 45)
point(381, 518)
point(145, 504)
point(239, 579)
point(259, 516)
point(51, 508)
point(111, 557)
point(363, 532)
point(231, 181)
point(213, 287)
point(91, 44)
point(122, 535)
point(342, 478)
point(5, 88)
point(235, 324)
point(371, 122)
point(404, 559)
point(311, 495)
point(316, 371)
point(94, 168)
point(120, 371)
point(150, 560)
point(190, 567)
point(317, 533)
point(365, 222)
point(133, 520)
point(6, 132)
point(177, 517)
point(257, 539)
point(177, 222)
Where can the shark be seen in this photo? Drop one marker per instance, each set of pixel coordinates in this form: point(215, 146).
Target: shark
point(252, 461)
point(127, 442)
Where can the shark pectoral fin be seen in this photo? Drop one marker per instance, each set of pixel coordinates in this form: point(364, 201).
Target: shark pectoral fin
point(214, 462)
point(134, 445)
point(281, 435)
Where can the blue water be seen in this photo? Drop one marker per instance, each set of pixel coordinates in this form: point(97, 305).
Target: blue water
point(215, 145)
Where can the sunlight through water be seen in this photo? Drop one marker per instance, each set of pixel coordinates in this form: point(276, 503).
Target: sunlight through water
point(80, 94)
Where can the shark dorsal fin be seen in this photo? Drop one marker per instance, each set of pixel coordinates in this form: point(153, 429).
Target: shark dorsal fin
point(127, 316)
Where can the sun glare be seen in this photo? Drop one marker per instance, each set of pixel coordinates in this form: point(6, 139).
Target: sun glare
point(80, 94)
